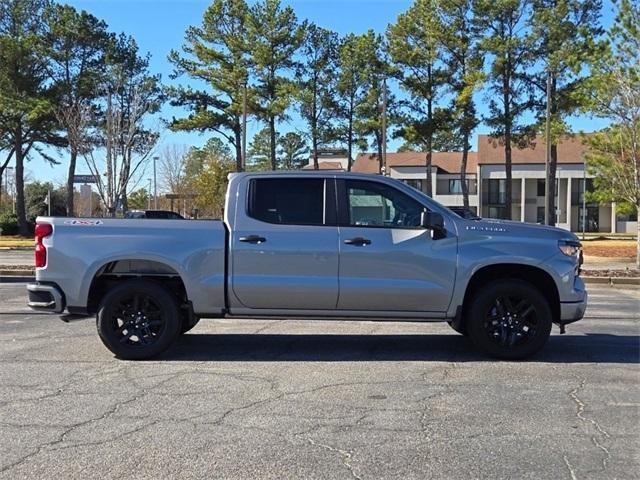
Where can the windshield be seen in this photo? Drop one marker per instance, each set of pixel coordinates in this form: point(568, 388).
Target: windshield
point(461, 212)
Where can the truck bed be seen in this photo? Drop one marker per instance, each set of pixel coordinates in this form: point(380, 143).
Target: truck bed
point(81, 249)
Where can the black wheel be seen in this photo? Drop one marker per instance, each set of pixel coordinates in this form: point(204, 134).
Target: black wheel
point(509, 319)
point(461, 329)
point(188, 322)
point(138, 319)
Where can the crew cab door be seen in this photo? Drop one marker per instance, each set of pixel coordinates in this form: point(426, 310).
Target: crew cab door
point(388, 262)
point(284, 244)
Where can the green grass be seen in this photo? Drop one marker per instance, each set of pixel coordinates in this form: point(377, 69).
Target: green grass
point(13, 241)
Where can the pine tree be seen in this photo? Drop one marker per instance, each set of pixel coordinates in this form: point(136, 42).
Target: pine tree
point(274, 37)
point(215, 53)
point(464, 65)
point(76, 44)
point(316, 77)
point(27, 99)
point(416, 51)
point(565, 35)
point(504, 39)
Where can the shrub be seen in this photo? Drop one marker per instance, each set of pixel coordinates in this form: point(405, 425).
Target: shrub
point(9, 224)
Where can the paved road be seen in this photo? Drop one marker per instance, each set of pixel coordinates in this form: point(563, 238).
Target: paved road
point(270, 399)
point(16, 257)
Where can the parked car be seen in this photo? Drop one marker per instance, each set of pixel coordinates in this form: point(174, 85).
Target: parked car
point(312, 245)
point(157, 214)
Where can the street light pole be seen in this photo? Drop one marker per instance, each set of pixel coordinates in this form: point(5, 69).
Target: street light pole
point(149, 195)
point(384, 127)
point(155, 184)
point(548, 152)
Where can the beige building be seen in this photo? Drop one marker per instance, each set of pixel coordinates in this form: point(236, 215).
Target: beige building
point(486, 182)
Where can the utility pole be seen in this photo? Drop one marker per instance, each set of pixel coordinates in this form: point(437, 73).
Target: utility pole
point(155, 184)
point(584, 197)
point(244, 127)
point(149, 195)
point(548, 153)
point(384, 127)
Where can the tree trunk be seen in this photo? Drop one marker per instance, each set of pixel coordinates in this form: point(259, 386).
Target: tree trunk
point(316, 164)
point(429, 145)
point(638, 236)
point(272, 143)
point(350, 137)
point(238, 136)
point(551, 200)
point(463, 170)
point(380, 159)
point(23, 228)
point(506, 87)
point(508, 172)
point(72, 171)
point(124, 200)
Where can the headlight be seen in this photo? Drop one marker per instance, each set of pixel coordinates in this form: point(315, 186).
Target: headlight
point(570, 248)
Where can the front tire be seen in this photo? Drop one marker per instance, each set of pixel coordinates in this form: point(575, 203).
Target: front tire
point(509, 319)
point(138, 319)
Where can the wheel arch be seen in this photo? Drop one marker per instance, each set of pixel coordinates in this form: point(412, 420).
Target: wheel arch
point(535, 276)
point(115, 271)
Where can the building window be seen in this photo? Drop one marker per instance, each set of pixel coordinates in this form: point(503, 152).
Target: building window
point(455, 186)
point(590, 217)
point(541, 183)
point(418, 184)
point(540, 215)
point(497, 212)
point(496, 192)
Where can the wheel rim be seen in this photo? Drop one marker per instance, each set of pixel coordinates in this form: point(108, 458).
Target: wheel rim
point(137, 320)
point(511, 321)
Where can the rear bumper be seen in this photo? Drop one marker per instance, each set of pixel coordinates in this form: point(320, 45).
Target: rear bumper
point(45, 297)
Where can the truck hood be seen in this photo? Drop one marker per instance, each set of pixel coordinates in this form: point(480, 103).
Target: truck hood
point(520, 229)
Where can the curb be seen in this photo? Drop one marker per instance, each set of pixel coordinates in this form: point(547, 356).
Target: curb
point(16, 279)
point(612, 281)
point(17, 273)
point(24, 249)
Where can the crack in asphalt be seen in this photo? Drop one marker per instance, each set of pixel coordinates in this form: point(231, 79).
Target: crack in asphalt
point(572, 472)
point(345, 456)
point(580, 409)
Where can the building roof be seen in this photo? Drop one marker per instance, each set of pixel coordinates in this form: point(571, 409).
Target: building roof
point(448, 162)
point(323, 165)
point(491, 151)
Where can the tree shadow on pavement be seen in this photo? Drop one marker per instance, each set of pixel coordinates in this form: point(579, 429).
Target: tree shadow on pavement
point(590, 348)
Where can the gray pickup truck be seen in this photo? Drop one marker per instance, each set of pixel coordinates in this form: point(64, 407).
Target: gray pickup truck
point(312, 245)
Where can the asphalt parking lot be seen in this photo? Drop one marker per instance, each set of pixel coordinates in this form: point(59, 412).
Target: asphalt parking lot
point(307, 399)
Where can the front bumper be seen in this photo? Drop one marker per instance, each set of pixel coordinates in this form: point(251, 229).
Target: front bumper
point(46, 296)
point(573, 311)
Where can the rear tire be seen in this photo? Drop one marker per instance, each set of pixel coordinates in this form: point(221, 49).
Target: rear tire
point(138, 319)
point(509, 319)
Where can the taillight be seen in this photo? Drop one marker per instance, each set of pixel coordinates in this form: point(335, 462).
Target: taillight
point(42, 230)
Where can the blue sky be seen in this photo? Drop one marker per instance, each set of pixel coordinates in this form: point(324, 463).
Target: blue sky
point(159, 25)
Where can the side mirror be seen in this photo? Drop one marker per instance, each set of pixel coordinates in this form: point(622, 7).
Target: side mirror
point(432, 221)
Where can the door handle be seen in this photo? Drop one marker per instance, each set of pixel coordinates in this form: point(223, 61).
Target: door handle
point(253, 239)
point(358, 241)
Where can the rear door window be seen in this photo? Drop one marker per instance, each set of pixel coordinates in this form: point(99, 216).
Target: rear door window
point(288, 201)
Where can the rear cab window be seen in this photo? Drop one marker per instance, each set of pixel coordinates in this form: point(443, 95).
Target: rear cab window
point(291, 201)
